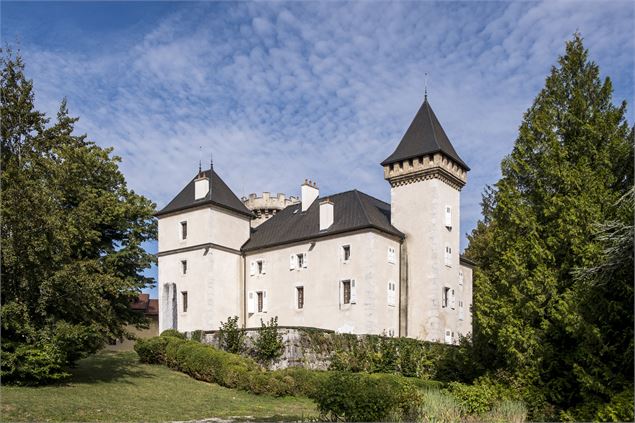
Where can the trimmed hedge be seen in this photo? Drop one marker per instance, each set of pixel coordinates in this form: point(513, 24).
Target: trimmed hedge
point(363, 397)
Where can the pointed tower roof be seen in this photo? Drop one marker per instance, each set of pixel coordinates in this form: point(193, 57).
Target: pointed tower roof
point(222, 196)
point(424, 136)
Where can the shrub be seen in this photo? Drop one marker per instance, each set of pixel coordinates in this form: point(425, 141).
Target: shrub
point(32, 364)
point(173, 333)
point(365, 397)
point(152, 350)
point(230, 337)
point(619, 409)
point(305, 382)
point(268, 346)
point(197, 336)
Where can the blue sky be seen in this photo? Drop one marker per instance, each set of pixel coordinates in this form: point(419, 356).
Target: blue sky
point(283, 91)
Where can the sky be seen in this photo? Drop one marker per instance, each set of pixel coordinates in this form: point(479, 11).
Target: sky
point(283, 91)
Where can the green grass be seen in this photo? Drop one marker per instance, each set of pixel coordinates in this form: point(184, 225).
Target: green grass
point(114, 386)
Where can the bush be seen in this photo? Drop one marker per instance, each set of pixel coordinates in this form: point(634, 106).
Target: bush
point(268, 346)
point(173, 333)
point(305, 382)
point(230, 337)
point(619, 409)
point(32, 364)
point(152, 350)
point(197, 336)
point(365, 397)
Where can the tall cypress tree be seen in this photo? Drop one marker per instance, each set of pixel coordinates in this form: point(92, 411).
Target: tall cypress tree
point(571, 163)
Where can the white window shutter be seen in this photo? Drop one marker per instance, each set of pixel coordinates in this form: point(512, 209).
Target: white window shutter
point(448, 336)
point(461, 312)
point(388, 255)
point(452, 300)
point(252, 268)
point(341, 289)
point(460, 277)
point(448, 216)
point(265, 301)
point(353, 292)
point(251, 302)
point(305, 262)
point(292, 261)
point(389, 292)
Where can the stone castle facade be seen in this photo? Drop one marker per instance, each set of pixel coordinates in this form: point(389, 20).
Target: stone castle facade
point(346, 261)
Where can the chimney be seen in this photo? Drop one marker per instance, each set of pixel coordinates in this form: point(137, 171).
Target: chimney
point(201, 186)
point(310, 192)
point(326, 214)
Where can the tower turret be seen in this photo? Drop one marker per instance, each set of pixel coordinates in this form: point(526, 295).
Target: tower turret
point(426, 175)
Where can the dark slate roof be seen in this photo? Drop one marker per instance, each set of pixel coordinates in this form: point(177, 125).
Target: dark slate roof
point(353, 210)
point(221, 196)
point(424, 136)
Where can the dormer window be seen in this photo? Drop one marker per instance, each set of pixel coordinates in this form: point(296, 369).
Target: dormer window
point(183, 230)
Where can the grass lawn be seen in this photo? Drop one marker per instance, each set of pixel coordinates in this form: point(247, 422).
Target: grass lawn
point(114, 386)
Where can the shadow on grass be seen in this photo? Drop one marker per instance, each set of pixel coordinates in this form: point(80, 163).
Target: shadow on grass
point(107, 366)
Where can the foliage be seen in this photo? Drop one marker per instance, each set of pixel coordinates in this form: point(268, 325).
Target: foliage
point(197, 335)
point(109, 387)
point(437, 407)
point(72, 234)
point(230, 337)
point(152, 350)
point(173, 333)
point(365, 397)
point(568, 341)
point(268, 346)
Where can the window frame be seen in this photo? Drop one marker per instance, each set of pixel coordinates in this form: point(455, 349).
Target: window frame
point(183, 230)
point(184, 301)
point(346, 290)
point(346, 248)
point(299, 297)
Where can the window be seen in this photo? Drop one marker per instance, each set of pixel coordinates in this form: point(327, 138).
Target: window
point(260, 301)
point(448, 217)
point(346, 252)
point(346, 292)
point(260, 264)
point(448, 336)
point(445, 297)
point(448, 256)
point(460, 278)
point(257, 267)
point(300, 296)
point(392, 255)
point(461, 311)
point(300, 260)
point(184, 267)
point(452, 300)
point(184, 230)
point(392, 288)
point(184, 300)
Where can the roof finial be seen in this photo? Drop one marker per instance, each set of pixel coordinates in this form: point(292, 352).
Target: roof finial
point(211, 161)
point(425, 89)
point(200, 153)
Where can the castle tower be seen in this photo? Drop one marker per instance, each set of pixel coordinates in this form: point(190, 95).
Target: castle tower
point(267, 206)
point(426, 176)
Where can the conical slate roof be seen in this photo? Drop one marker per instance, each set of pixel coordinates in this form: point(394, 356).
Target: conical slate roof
point(424, 136)
point(222, 196)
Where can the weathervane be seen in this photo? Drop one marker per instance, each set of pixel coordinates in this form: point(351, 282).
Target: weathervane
point(200, 158)
point(425, 89)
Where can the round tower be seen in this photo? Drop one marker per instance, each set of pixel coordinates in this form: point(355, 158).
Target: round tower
point(266, 206)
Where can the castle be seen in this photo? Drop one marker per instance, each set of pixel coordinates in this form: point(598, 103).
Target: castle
point(346, 262)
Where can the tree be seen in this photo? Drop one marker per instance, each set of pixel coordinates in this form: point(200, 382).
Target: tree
point(72, 235)
point(571, 162)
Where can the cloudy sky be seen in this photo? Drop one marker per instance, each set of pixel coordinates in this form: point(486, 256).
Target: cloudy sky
point(280, 92)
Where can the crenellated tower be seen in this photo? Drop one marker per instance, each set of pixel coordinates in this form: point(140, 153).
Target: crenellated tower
point(426, 176)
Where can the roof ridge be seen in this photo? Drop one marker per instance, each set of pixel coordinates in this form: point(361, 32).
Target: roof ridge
point(374, 198)
point(361, 204)
point(434, 132)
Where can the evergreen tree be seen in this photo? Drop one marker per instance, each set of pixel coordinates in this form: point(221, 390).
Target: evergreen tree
point(72, 237)
point(572, 161)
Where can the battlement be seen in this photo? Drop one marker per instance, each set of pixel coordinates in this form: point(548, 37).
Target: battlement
point(267, 205)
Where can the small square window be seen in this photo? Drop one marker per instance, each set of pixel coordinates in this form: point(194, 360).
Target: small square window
point(183, 230)
point(184, 300)
point(346, 252)
point(300, 295)
point(346, 292)
point(184, 267)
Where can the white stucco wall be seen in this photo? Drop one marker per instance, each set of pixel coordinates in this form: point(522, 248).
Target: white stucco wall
point(418, 210)
point(368, 266)
point(214, 272)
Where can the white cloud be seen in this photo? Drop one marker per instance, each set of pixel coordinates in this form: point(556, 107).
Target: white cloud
point(286, 91)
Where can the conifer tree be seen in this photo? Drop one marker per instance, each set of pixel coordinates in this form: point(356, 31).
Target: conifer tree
point(571, 163)
point(72, 235)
